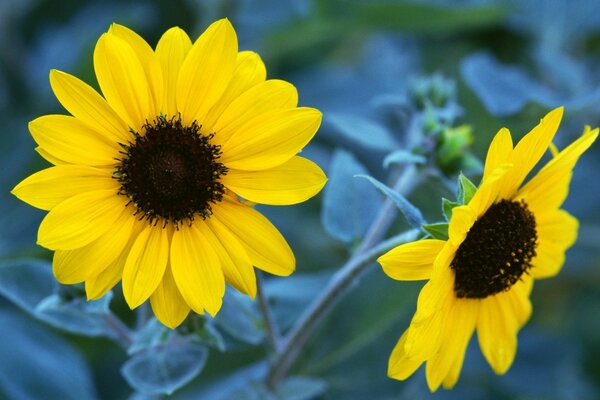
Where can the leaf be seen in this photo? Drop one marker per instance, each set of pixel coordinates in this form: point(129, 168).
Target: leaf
point(349, 205)
point(153, 334)
point(39, 364)
point(411, 213)
point(466, 189)
point(503, 89)
point(403, 157)
point(437, 230)
point(77, 315)
point(240, 319)
point(301, 388)
point(425, 18)
point(209, 336)
point(359, 131)
point(447, 207)
point(164, 369)
point(26, 282)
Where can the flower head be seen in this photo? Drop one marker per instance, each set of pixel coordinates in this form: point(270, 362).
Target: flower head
point(509, 234)
point(148, 178)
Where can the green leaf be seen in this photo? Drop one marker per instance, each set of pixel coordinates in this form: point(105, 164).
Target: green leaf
point(26, 282)
point(240, 319)
point(425, 18)
point(437, 231)
point(447, 207)
point(466, 189)
point(411, 213)
point(403, 157)
point(210, 336)
point(164, 369)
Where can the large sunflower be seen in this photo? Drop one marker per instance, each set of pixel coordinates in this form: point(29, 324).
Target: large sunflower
point(148, 181)
point(506, 236)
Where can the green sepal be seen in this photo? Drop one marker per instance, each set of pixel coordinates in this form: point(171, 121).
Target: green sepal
point(447, 207)
point(466, 189)
point(437, 230)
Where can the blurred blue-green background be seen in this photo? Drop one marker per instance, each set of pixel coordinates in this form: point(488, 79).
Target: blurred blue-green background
point(364, 64)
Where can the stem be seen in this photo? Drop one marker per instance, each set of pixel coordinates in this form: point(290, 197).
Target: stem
point(362, 257)
point(272, 331)
point(122, 332)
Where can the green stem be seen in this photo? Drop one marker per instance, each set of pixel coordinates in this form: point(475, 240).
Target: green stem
point(271, 327)
point(365, 253)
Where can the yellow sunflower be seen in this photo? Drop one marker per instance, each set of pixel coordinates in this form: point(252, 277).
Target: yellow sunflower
point(148, 180)
point(506, 236)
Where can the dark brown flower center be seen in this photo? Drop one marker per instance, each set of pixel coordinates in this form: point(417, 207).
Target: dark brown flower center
point(496, 252)
point(171, 172)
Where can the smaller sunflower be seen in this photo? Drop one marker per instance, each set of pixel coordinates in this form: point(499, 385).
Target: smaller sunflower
point(149, 178)
point(505, 237)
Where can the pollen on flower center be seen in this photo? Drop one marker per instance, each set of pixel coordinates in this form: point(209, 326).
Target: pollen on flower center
point(171, 172)
point(496, 252)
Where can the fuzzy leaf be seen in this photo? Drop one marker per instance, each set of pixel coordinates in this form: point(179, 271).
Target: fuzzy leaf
point(447, 207)
point(403, 157)
point(437, 230)
point(466, 189)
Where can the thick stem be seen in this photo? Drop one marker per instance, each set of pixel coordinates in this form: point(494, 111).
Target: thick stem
point(362, 257)
point(265, 310)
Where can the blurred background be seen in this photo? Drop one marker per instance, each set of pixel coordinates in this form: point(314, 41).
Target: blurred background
point(388, 75)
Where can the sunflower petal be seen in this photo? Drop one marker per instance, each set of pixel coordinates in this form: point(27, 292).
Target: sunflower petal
point(265, 246)
point(549, 188)
point(411, 261)
point(235, 262)
point(74, 266)
point(271, 138)
point(497, 333)
point(458, 328)
point(273, 94)
point(206, 71)
point(171, 50)
point(167, 303)
point(49, 187)
point(530, 150)
point(145, 265)
point(400, 366)
point(292, 182)
point(85, 104)
point(123, 81)
point(69, 139)
point(499, 152)
point(80, 220)
point(196, 269)
point(148, 61)
point(249, 71)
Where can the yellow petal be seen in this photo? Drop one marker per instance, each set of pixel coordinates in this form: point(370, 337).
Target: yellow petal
point(97, 286)
point(530, 150)
point(497, 333)
point(167, 303)
point(292, 182)
point(80, 219)
point(411, 261)
point(49, 157)
point(123, 81)
point(499, 152)
point(74, 266)
point(488, 191)
point(400, 366)
point(171, 50)
point(49, 187)
point(266, 96)
point(271, 138)
point(549, 188)
point(265, 246)
point(463, 218)
point(148, 61)
point(206, 71)
point(458, 328)
point(196, 268)
point(249, 71)
point(70, 140)
point(145, 265)
point(517, 300)
point(85, 104)
point(235, 262)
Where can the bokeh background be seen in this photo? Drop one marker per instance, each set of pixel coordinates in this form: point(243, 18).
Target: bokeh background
point(367, 65)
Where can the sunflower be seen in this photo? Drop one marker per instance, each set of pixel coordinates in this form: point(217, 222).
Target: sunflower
point(480, 278)
point(153, 183)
